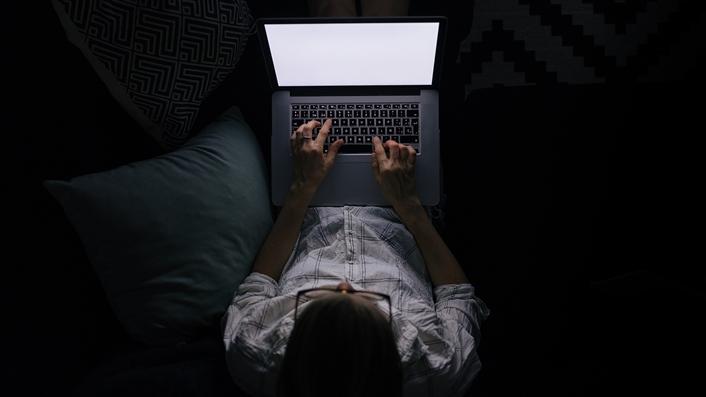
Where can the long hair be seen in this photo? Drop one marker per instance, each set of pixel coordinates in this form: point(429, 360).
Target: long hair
point(344, 346)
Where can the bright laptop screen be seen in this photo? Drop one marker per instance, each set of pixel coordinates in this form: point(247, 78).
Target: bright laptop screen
point(353, 54)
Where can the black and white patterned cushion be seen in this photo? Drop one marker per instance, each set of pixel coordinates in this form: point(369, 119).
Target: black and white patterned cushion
point(159, 58)
point(538, 42)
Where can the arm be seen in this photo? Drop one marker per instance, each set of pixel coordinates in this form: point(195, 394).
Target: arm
point(395, 174)
point(440, 262)
point(310, 168)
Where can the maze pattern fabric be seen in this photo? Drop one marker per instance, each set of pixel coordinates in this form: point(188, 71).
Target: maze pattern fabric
point(534, 42)
point(165, 56)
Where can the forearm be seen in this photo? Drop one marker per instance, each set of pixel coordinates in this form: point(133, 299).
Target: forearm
point(442, 266)
point(280, 242)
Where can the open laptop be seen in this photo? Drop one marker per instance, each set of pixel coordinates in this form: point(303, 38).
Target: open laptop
point(371, 76)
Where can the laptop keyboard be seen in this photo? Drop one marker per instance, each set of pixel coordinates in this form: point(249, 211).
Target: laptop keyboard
point(357, 124)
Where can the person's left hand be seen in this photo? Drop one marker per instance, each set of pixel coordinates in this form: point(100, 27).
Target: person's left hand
point(311, 164)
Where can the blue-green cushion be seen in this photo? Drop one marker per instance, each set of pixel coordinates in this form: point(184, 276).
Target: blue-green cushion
point(171, 238)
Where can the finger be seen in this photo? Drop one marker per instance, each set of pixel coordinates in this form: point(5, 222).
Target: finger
point(412, 158)
point(332, 152)
point(323, 133)
point(379, 150)
point(308, 128)
point(394, 150)
point(296, 138)
point(403, 152)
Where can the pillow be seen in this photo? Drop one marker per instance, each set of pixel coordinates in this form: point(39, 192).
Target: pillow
point(159, 59)
point(171, 238)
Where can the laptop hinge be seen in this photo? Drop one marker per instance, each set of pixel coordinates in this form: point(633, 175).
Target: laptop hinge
point(354, 91)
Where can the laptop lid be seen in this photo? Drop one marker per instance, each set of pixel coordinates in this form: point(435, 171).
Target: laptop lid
point(353, 54)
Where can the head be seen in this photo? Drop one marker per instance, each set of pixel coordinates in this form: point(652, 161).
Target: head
point(341, 344)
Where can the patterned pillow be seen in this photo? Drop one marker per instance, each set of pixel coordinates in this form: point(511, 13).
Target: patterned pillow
point(159, 58)
point(544, 42)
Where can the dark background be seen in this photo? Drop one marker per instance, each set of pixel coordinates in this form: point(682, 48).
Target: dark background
point(575, 209)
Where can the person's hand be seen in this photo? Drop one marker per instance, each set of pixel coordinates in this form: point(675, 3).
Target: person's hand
point(310, 163)
point(395, 174)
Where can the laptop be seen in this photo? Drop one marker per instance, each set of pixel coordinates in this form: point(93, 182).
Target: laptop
point(372, 77)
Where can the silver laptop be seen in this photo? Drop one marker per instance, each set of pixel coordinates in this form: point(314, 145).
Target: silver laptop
point(372, 77)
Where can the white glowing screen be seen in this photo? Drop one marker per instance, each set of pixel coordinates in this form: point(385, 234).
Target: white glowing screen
point(351, 54)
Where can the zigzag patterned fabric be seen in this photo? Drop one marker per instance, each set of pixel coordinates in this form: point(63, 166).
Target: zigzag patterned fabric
point(535, 42)
point(159, 58)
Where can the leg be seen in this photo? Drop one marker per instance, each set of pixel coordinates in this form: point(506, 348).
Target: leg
point(332, 8)
point(378, 8)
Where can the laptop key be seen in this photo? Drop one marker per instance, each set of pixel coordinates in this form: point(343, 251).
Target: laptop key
point(350, 139)
point(409, 139)
point(352, 148)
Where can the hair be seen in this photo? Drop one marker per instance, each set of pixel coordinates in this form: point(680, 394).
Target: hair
point(341, 345)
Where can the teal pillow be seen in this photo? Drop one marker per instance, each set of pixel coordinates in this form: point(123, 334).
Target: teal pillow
point(171, 238)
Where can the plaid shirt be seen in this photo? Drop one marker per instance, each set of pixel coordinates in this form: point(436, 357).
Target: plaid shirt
point(436, 329)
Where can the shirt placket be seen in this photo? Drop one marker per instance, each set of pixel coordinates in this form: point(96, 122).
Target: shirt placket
point(352, 260)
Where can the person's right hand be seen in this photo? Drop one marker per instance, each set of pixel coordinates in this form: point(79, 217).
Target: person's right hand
point(395, 173)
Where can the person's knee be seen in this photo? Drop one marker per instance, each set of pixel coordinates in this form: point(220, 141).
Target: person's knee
point(332, 8)
point(379, 8)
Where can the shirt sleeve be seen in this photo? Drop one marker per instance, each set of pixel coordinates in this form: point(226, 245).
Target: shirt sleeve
point(245, 324)
point(460, 314)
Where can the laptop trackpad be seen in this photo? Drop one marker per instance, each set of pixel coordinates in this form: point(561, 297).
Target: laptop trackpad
point(349, 183)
